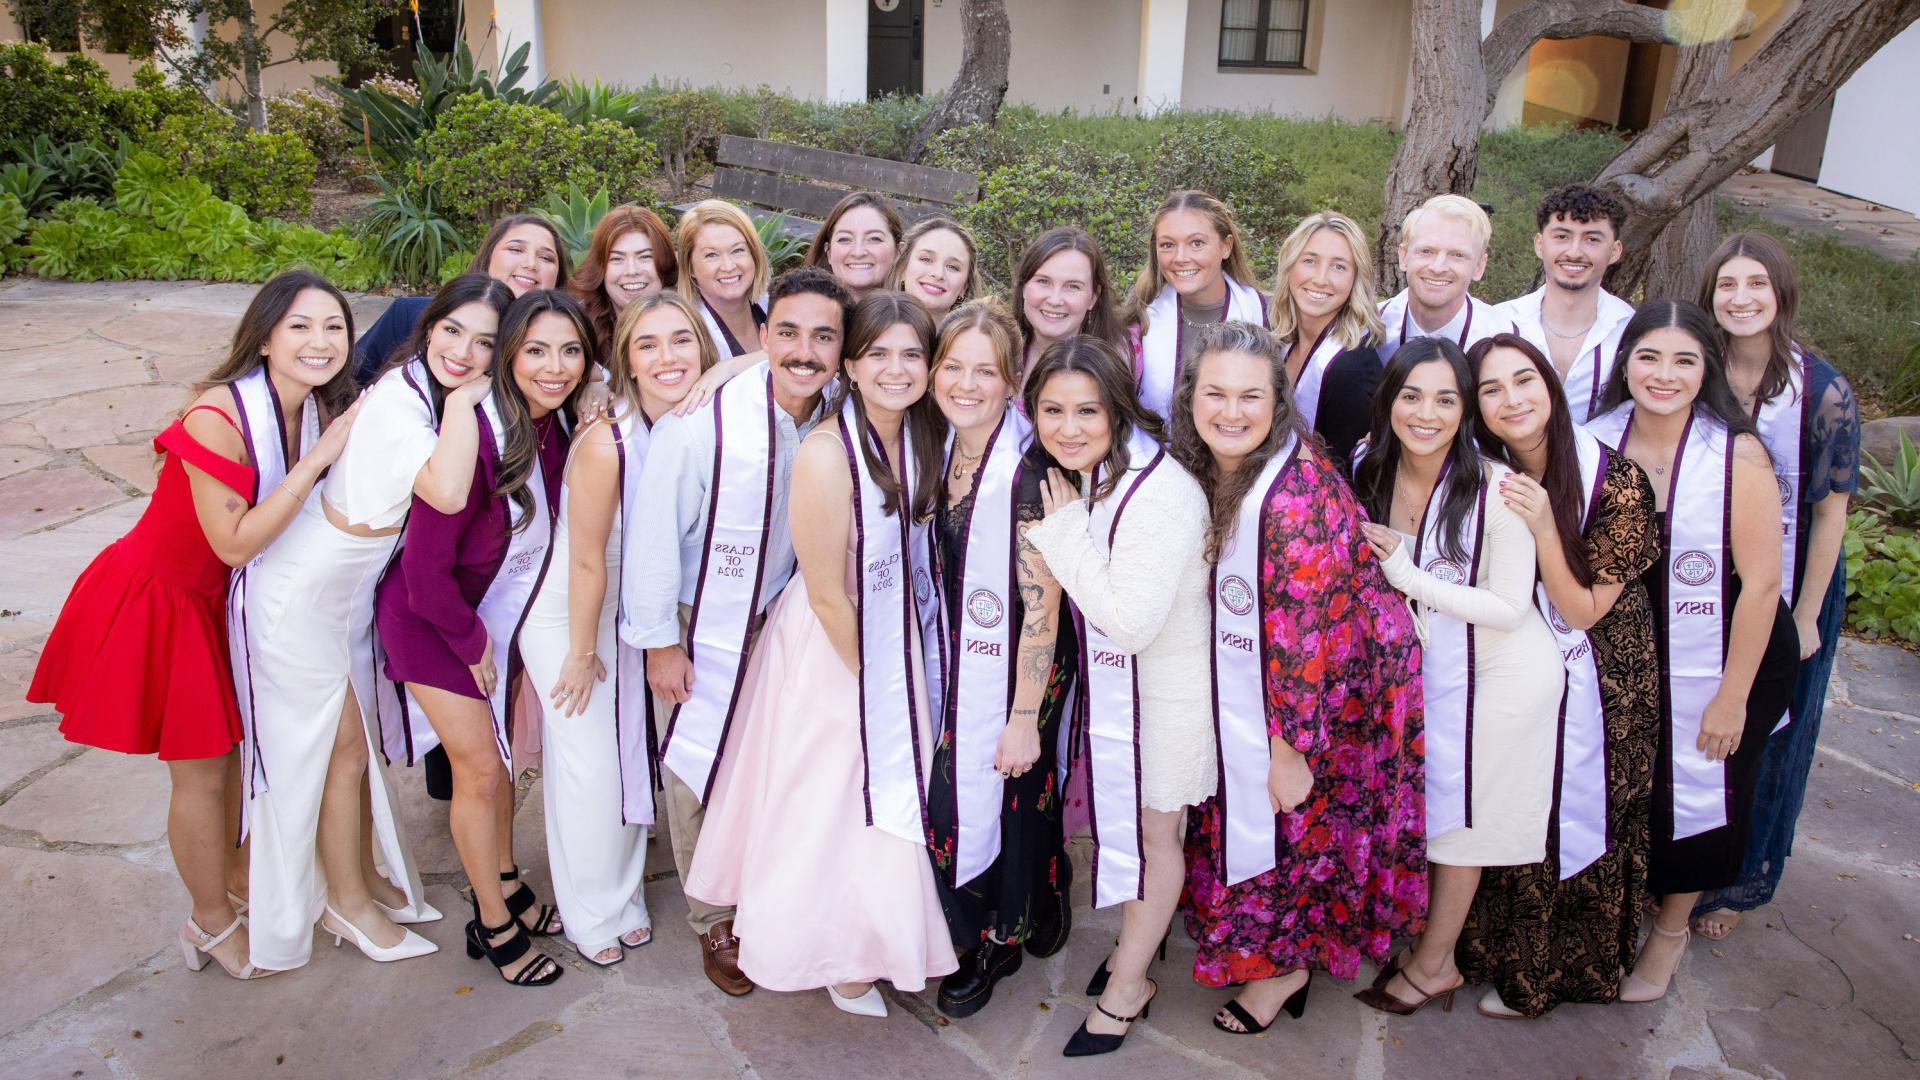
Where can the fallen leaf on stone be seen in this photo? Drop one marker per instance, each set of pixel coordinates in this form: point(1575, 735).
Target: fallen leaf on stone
point(137, 1034)
point(464, 990)
point(1044, 1007)
point(1716, 952)
point(557, 1027)
point(279, 1059)
point(1398, 1041)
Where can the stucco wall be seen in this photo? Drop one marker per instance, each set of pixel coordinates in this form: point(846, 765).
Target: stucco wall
point(1357, 57)
point(1077, 54)
point(277, 79)
point(1873, 148)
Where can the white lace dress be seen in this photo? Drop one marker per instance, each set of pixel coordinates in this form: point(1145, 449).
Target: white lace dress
point(1150, 597)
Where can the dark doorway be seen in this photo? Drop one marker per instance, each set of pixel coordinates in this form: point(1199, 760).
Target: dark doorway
point(1800, 151)
point(894, 29)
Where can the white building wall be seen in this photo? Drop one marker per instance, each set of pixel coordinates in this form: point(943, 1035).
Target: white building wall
point(733, 43)
point(1873, 144)
point(1356, 64)
point(1067, 54)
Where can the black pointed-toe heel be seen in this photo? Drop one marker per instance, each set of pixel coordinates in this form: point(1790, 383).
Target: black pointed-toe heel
point(1086, 1044)
point(1295, 1006)
point(1098, 984)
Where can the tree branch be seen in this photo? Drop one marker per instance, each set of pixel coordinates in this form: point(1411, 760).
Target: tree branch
point(1558, 20)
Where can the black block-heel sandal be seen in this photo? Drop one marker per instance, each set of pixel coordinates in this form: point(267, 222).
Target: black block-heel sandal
point(541, 972)
point(546, 925)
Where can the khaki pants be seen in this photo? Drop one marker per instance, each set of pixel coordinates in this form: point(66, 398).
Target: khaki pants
point(684, 815)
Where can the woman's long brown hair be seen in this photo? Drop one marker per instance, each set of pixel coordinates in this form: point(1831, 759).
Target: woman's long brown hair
point(520, 453)
point(923, 421)
point(1771, 254)
point(1565, 494)
point(264, 312)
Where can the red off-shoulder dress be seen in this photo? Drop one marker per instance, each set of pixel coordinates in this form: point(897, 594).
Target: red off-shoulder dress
point(138, 661)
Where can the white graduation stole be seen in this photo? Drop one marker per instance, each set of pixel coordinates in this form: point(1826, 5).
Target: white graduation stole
point(1446, 669)
point(1781, 421)
point(633, 726)
point(1110, 710)
point(264, 428)
point(892, 558)
point(1160, 346)
point(1306, 391)
point(727, 595)
point(1699, 605)
point(983, 640)
point(723, 339)
point(1252, 833)
point(1580, 774)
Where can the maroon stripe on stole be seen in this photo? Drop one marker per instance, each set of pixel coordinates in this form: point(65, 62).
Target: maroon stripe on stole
point(515, 665)
point(1260, 642)
point(1139, 831)
point(1083, 723)
point(1726, 581)
point(910, 611)
point(620, 492)
point(1013, 585)
point(860, 614)
point(1473, 579)
point(706, 554)
point(1606, 744)
point(256, 769)
point(950, 664)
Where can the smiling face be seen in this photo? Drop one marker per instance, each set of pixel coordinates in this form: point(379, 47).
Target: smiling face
point(1744, 303)
point(460, 346)
point(1514, 401)
point(1426, 412)
point(1665, 371)
point(937, 269)
point(861, 250)
point(967, 384)
point(664, 355)
point(892, 373)
point(802, 340)
point(722, 265)
point(1072, 422)
point(1441, 260)
point(309, 345)
point(549, 363)
point(631, 271)
point(1189, 252)
point(1576, 254)
point(1320, 281)
point(1058, 296)
point(526, 259)
point(1233, 405)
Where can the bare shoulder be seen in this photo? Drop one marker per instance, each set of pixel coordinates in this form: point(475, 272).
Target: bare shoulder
point(1749, 450)
point(209, 429)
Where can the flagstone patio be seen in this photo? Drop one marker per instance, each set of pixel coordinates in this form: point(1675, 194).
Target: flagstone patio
point(94, 986)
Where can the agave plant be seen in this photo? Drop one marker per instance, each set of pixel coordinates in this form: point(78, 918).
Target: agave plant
point(1893, 490)
point(13, 219)
point(395, 123)
point(574, 215)
point(74, 169)
point(581, 102)
point(31, 184)
point(409, 236)
point(784, 249)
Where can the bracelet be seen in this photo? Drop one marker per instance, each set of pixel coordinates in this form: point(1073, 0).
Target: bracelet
point(590, 654)
point(297, 497)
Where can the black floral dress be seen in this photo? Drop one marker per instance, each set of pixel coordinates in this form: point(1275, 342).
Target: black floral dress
point(1030, 877)
point(1539, 940)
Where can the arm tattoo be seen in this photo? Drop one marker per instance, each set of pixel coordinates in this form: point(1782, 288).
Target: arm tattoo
point(1036, 663)
point(233, 506)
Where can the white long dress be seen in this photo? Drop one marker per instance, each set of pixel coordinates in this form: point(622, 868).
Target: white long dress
point(309, 611)
point(598, 861)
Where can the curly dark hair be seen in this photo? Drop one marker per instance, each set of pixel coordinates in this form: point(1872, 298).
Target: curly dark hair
point(812, 279)
point(1584, 203)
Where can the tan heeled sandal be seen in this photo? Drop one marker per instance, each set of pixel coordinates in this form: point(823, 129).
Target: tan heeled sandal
point(1635, 990)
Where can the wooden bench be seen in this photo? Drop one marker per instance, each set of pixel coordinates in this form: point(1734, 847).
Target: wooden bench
point(805, 183)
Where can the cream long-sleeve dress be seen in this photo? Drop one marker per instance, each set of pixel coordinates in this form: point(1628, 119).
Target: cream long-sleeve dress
point(1150, 597)
point(1518, 679)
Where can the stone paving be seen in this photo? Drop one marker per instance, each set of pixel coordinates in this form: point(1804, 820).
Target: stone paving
point(1821, 984)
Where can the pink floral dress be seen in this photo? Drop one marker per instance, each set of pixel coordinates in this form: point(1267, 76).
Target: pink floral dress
point(1343, 688)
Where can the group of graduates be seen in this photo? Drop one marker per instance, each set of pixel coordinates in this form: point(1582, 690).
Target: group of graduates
point(1495, 629)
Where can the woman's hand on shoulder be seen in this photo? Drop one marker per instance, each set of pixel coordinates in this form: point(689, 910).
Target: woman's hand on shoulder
point(1523, 495)
point(326, 450)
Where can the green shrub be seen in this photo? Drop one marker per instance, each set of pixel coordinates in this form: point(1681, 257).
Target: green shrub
point(487, 158)
point(13, 219)
point(1019, 202)
point(66, 101)
point(880, 128)
point(684, 125)
point(264, 172)
point(1883, 578)
point(317, 121)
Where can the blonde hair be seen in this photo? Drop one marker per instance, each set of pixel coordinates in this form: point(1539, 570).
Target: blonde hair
point(717, 212)
point(990, 317)
point(1457, 208)
point(1147, 285)
point(1358, 321)
point(896, 277)
point(621, 383)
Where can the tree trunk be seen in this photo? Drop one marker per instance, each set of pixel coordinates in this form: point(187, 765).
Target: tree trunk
point(981, 85)
point(1685, 155)
point(1671, 265)
point(1440, 149)
point(250, 59)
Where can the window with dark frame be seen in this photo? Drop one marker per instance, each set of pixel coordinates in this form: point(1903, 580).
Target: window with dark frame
point(1263, 33)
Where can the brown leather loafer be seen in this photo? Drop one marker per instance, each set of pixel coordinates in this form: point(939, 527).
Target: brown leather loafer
point(720, 955)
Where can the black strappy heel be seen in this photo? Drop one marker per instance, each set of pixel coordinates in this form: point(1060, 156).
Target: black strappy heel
point(546, 925)
point(1086, 1044)
point(1295, 1006)
point(542, 972)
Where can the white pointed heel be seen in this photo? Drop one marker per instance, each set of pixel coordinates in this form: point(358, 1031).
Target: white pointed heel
point(196, 948)
point(867, 1004)
point(410, 946)
point(426, 913)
